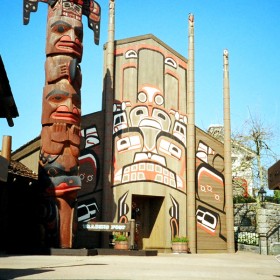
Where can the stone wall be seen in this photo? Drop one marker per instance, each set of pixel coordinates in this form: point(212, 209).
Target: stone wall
point(263, 219)
point(249, 248)
point(245, 217)
point(268, 222)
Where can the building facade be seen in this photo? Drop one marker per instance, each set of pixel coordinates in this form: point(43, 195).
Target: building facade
point(147, 178)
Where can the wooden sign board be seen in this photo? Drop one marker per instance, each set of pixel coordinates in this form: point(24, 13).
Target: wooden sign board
point(109, 227)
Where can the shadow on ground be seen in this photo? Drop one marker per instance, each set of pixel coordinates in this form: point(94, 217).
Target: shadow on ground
point(8, 273)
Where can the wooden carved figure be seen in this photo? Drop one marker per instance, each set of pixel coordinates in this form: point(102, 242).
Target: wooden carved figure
point(61, 112)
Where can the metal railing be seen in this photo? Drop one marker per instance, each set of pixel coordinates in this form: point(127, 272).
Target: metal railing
point(271, 236)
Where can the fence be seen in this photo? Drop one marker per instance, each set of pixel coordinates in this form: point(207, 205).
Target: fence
point(269, 238)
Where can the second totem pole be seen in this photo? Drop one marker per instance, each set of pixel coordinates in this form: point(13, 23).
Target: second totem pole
point(61, 113)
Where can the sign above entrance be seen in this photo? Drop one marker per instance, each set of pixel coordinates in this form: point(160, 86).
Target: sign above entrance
point(103, 226)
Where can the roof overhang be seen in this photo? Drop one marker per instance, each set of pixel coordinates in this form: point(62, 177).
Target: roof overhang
point(8, 108)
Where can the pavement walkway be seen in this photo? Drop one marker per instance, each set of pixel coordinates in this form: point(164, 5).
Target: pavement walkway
point(241, 265)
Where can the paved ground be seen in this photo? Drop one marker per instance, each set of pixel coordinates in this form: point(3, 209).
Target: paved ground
point(239, 266)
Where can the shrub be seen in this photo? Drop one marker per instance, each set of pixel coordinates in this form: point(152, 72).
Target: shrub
point(121, 237)
point(180, 239)
point(243, 199)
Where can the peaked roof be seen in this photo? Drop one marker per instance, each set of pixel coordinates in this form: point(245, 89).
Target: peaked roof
point(152, 37)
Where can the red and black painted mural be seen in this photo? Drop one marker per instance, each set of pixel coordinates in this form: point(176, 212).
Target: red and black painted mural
point(61, 112)
point(149, 129)
point(149, 133)
point(89, 196)
point(210, 197)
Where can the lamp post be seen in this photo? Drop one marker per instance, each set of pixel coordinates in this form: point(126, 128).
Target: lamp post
point(261, 224)
point(262, 194)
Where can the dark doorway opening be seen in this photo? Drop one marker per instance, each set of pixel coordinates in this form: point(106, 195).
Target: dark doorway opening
point(149, 218)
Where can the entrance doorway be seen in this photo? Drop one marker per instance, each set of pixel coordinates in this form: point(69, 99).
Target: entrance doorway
point(149, 219)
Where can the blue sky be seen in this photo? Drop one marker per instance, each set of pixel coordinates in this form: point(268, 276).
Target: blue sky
point(249, 29)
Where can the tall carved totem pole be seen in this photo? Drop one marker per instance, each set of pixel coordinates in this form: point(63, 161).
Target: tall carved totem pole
point(61, 112)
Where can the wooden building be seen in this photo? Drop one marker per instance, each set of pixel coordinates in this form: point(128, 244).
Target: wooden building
point(133, 161)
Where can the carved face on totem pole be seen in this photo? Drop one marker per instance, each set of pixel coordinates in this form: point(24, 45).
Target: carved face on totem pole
point(62, 104)
point(65, 36)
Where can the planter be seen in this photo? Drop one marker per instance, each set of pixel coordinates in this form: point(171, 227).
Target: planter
point(121, 245)
point(180, 247)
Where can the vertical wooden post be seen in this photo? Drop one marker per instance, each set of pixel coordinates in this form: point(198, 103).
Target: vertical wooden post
point(108, 120)
point(191, 207)
point(227, 158)
point(6, 147)
point(132, 234)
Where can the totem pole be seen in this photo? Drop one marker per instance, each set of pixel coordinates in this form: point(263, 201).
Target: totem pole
point(61, 112)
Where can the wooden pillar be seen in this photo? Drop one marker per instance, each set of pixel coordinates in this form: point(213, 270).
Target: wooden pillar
point(6, 147)
point(191, 207)
point(108, 100)
point(227, 159)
